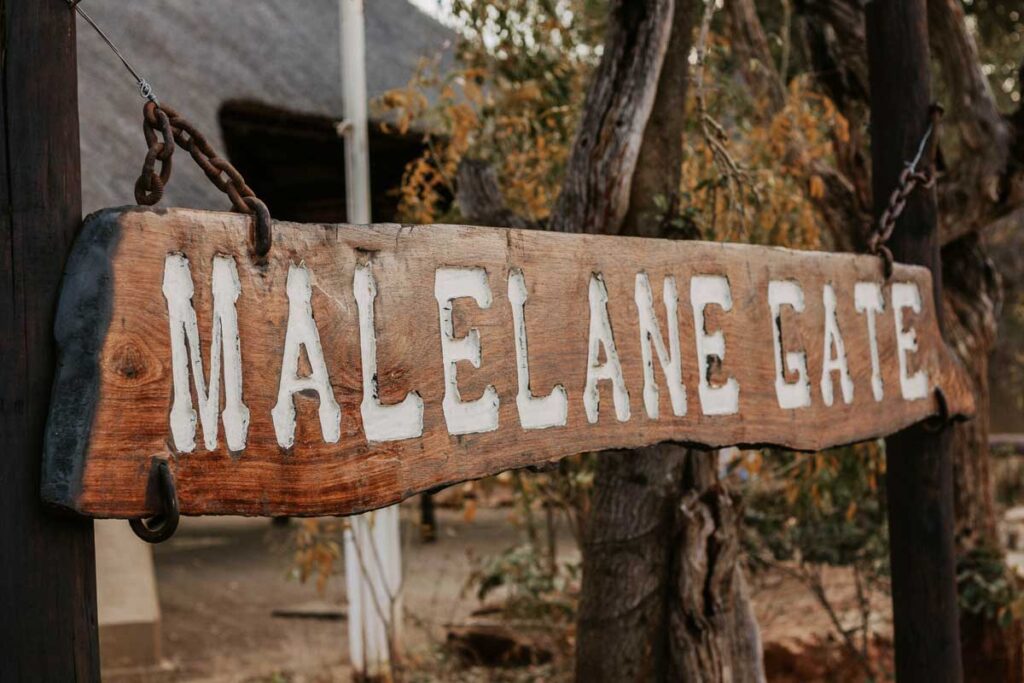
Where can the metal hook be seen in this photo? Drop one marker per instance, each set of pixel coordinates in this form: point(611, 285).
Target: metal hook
point(161, 526)
point(260, 235)
point(936, 424)
point(887, 261)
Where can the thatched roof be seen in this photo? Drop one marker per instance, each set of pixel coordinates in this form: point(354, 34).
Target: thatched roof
point(198, 54)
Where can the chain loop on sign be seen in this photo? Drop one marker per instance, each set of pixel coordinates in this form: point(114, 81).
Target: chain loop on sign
point(175, 129)
point(909, 180)
point(162, 526)
point(149, 188)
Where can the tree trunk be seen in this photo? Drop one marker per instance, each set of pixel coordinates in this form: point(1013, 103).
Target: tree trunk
point(975, 190)
point(596, 192)
point(755, 58)
point(991, 651)
point(663, 597)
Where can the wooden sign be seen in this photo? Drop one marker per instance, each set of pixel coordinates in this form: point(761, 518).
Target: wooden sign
point(358, 365)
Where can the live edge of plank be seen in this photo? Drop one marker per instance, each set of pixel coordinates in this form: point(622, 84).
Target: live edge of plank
point(84, 322)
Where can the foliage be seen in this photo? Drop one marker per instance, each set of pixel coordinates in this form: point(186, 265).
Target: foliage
point(809, 510)
point(821, 508)
point(513, 101)
point(514, 98)
point(317, 551)
point(988, 587)
point(998, 26)
point(532, 588)
point(533, 580)
point(779, 158)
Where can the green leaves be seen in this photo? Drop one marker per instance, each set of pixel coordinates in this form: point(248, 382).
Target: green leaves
point(988, 587)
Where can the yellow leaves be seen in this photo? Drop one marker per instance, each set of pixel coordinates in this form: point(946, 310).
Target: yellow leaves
point(816, 187)
point(520, 121)
point(421, 190)
point(469, 509)
point(524, 93)
point(317, 551)
point(782, 153)
point(408, 105)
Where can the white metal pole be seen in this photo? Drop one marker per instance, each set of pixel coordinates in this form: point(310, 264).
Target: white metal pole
point(373, 570)
point(353, 85)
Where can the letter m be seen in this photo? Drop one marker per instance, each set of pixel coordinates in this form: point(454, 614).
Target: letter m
point(186, 357)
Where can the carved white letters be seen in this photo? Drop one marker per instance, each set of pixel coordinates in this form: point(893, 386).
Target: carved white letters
point(535, 412)
point(380, 422)
point(650, 334)
point(831, 363)
point(868, 299)
point(479, 415)
point(796, 394)
point(660, 347)
point(611, 369)
point(224, 347)
point(906, 295)
point(704, 291)
point(302, 333)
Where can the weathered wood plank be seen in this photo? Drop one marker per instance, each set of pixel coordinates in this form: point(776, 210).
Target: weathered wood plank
point(115, 397)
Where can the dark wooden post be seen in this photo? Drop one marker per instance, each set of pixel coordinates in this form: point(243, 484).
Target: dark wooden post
point(47, 570)
point(919, 462)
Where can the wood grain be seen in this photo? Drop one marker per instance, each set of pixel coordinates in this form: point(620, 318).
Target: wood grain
point(114, 390)
point(47, 575)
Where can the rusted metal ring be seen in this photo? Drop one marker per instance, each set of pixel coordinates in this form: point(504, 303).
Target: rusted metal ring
point(149, 189)
point(260, 236)
point(936, 424)
point(161, 526)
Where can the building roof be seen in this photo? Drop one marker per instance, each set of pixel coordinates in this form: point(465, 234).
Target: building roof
point(197, 54)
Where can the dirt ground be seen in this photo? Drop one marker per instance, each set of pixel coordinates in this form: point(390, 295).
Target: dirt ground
point(221, 580)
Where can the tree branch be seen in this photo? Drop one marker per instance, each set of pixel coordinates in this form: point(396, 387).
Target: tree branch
point(975, 183)
point(596, 192)
point(480, 199)
point(835, 31)
point(751, 46)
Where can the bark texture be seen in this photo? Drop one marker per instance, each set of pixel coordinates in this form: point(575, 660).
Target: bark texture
point(751, 46)
point(479, 196)
point(664, 597)
point(596, 191)
point(975, 192)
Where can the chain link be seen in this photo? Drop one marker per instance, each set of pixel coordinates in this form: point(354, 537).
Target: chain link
point(163, 127)
point(909, 180)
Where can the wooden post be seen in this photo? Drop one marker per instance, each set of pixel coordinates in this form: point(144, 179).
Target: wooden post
point(47, 572)
point(919, 462)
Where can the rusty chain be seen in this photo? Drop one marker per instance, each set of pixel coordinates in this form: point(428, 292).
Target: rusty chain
point(909, 180)
point(163, 127)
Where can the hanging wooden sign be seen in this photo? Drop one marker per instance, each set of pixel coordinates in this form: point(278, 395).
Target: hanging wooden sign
point(356, 366)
